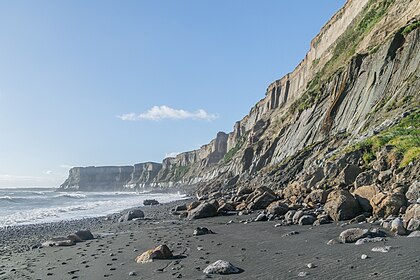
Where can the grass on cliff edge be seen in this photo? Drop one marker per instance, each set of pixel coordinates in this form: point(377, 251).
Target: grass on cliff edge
point(403, 137)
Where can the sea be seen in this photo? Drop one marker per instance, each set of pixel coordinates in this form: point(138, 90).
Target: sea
point(23, 206)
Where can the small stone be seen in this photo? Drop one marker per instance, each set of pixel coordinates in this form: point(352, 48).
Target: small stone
point(303, 274)
point(369, 240)
point(364, 257)
point(311, 265)
point(384, 249)
point(221, 267)
point(132, 273)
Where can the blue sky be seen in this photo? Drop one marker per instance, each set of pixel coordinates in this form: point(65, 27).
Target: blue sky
point(120, 82)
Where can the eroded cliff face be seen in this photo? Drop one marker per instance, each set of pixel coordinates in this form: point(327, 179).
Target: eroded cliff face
point(361, 70)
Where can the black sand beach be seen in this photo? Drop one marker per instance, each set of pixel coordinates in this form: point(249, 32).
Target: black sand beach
point(260, 249)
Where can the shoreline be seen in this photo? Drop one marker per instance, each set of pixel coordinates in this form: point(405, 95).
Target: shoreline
point(20, 238)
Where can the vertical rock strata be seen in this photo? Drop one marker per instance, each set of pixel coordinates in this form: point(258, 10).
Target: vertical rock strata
point(358, 78)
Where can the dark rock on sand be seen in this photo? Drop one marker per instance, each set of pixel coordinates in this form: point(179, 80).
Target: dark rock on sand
point(132, 214)
point(306, 220)
point(204, 210)
point(150, 202)
point(353, 234)
point(221, 267)
point(277, 208)
point(202, 231)
point(84, 235)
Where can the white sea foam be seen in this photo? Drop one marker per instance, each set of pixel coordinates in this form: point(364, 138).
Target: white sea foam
point(6, 197)
point(72, 195)
point(52, 207)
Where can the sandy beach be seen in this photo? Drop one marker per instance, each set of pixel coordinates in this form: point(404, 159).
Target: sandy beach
point(260, 249)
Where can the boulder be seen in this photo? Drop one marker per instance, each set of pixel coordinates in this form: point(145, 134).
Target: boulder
point(341, 205)
point(297, 216)
point(161, 252)
point(179, 208)
point(193, 205)
point(225, 207)
point(277, 208)
point(413, 225)
point(385, 176)
point(289, 215)
point(413, 192)
point(221, 267)
point(294, 190)
point(262, 201)
point(348, 174)
point(204, 210)
point(131, 215)
point(364, 195)
point(84, 235)
point(150, 202)
point(365, 178)
point(397, 226)
point(306, 220)
point(412, 212)
point(351, 235)
point(317, 196)
point(385, 205)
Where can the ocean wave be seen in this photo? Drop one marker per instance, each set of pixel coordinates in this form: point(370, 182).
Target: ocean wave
point(6, 198)
point(72, 195)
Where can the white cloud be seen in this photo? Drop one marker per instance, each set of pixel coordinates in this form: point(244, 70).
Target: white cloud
point(172, 154)
point(164, 112)
point(48, 172)
point(66, 166)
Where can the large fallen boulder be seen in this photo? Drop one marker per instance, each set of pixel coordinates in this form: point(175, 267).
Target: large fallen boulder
point(261, 198)
point(341, 205)
point(204, 210)
point(161, 252)
point(364, 195)
point(277, 208)
point(384, 204)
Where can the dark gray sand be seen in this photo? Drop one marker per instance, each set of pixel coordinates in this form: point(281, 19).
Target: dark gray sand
point(259, 248)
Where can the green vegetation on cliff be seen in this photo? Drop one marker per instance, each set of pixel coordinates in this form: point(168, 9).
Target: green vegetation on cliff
point(403, 137)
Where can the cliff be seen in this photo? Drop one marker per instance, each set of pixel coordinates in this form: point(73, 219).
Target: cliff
point(359, 76)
